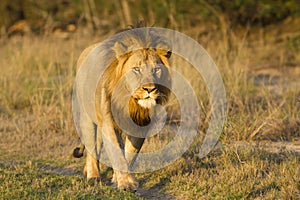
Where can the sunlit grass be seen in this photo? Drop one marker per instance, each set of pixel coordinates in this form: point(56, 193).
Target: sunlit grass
point(36, 125)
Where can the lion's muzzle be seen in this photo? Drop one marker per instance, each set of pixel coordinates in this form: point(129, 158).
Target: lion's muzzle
point(146, 96)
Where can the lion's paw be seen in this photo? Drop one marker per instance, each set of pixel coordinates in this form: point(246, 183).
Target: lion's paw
point(125, 181)
point(92, 177)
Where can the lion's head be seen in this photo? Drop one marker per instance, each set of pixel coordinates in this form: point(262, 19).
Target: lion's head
point(142, 69)
point(146, 76)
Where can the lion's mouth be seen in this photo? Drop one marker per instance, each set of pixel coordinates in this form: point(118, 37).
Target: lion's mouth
point(145, 97)
point(147, 102)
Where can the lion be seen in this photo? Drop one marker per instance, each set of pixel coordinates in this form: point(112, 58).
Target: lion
point(139, 66)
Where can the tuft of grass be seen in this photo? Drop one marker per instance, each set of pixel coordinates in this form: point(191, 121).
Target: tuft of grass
point(294, 43)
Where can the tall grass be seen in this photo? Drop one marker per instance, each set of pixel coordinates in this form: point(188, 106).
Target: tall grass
point(38, 74)
point(36, 84)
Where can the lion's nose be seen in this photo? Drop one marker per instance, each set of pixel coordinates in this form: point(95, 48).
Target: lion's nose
point(149, 88)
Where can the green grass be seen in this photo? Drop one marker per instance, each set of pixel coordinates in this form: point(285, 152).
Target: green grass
point(238, 175)
point(229, 173)
point(29, 181)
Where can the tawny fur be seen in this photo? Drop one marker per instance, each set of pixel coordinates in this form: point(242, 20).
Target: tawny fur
point(125, 61)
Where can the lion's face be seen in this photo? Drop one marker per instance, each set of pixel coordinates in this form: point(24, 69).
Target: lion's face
point(146, 77)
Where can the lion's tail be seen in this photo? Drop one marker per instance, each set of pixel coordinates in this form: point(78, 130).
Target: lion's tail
point(78, 151)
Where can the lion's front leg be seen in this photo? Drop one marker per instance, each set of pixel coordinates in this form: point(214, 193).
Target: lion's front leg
point(92, 146)
point(122, 177)
point(133, 146)
point(113, 147)
point(126, 180)
point(91, 170)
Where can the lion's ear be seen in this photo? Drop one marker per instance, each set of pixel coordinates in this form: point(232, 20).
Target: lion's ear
point(164, 49)
point(164, 56)
point(165, 53)
point(120, 49)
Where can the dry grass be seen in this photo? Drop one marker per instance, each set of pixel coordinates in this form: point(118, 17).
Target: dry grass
point(36, 120)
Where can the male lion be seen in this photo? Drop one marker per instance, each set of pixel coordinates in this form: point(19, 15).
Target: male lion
point(138, 67)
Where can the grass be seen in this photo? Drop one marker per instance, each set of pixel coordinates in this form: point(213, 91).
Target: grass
point(261, 76)
point(29, 181)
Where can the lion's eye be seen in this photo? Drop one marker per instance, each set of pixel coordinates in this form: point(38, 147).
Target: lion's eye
point(157, 70)
point(137, 70)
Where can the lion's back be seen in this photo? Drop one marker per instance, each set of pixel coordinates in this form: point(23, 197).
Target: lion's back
point(85, 53)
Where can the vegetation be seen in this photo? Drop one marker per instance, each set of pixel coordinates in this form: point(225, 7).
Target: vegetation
point(258, 57)
point(45, 16)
